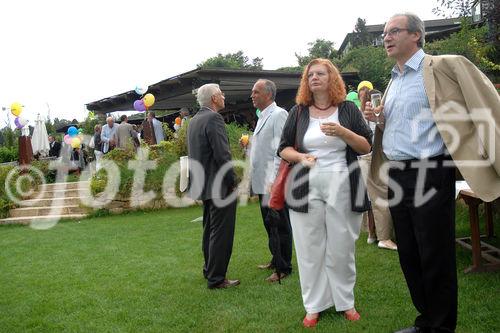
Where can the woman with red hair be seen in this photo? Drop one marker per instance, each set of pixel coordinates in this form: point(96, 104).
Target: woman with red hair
point(323, 136)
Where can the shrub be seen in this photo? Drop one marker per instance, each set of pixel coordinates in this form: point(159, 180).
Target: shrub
point(6, 202)
point(165, 154)
point(8, 154)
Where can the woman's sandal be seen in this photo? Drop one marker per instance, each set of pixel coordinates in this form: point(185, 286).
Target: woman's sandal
point(352, 316)
point(310, 322)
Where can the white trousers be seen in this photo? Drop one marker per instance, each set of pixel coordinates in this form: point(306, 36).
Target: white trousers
point(324, 240)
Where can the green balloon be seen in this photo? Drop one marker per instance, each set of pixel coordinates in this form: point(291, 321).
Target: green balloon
point(257, 112)
point(353, 97)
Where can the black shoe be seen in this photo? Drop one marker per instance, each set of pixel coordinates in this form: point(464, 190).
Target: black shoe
point(226, 284)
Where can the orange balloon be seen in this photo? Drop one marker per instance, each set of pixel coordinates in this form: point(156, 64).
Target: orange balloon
point(178, 120)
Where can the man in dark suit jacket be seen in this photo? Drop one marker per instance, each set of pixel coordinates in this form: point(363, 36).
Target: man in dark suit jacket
point(208, 148)
point(55, 147)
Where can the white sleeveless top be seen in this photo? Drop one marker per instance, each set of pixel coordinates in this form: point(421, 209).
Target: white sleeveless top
point(330, 151)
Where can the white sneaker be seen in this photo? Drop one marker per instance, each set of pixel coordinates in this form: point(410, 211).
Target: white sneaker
point(371, 240)
point(387, 244)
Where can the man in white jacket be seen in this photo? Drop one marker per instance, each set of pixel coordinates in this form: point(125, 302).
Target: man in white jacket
point(264, 167)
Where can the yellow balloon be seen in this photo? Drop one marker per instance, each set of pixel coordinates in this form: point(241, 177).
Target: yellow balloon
point(148, 100)
point(75, 142)
point(367, 84)
point(16, 109)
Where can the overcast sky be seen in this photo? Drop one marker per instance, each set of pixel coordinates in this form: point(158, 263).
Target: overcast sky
point(63, 54)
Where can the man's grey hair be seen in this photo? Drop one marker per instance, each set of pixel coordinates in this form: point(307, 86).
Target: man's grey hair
point(270, 87)
point(415, 24)
point(205, 93)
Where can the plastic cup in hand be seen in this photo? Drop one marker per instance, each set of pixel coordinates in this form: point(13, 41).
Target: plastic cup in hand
point(376, 100)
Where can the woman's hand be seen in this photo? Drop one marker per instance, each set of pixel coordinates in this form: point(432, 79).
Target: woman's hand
point(307, 160)
point(355, 141)
point(333, 129)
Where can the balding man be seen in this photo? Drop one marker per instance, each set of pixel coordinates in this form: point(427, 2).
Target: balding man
point(264, 167)
point(208, 145)
point(108, 135)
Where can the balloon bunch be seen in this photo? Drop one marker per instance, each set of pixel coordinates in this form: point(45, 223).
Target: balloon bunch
point(73, 137)
point(145, 102)
point(16, 109)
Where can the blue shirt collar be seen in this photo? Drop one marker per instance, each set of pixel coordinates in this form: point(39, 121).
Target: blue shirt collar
point(413, 63)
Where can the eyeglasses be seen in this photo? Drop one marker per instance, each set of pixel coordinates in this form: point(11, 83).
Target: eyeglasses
point(393, 32)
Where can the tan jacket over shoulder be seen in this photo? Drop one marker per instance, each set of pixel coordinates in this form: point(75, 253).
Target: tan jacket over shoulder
point(466, 108)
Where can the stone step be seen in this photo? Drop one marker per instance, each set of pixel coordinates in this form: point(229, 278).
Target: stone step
point(67, 185)
point(48, 194)
point(26, 220)
point(66, 201)
point(44, 211)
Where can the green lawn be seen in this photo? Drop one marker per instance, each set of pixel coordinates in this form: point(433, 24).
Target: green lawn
point(142, 272)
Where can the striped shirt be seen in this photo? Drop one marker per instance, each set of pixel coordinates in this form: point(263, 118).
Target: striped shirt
point(410, 131)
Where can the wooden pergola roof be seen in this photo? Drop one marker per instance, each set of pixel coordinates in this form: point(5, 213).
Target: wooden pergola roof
point(177, 92)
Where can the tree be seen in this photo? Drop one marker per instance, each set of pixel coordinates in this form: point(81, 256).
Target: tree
point(58, 123)
point(50, 127)
point(8, 137)
point(362, 37)
point(371, 63)
point(320, 48)
point(453, 8)
point(236, 60)
point(291, 69)
point(471, 43)
point(88, 125)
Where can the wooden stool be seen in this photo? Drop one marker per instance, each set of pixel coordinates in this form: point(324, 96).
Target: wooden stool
point(480, 250)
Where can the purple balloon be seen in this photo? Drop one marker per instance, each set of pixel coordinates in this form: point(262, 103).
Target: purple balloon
point(139, 105)
point(17, 123)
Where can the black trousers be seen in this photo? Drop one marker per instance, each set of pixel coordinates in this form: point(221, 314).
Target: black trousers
point(284, 235)
point(425, 233)
point(218, 235)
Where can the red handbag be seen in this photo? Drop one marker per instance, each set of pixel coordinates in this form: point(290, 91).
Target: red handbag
point(278, 190)
point(277, 195)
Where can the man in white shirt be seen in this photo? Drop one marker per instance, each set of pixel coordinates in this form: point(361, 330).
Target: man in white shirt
point(264, 166)
point(108, 135)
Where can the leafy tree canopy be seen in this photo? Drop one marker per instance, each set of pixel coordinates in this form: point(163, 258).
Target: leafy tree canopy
point(236, 60)
point(320, 48)
point(471, 43)
point(453, 8)
point(371, 63)
point(362, 36)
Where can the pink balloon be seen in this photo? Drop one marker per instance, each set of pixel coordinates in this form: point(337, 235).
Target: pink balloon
point(139, 105)
point(67, 139)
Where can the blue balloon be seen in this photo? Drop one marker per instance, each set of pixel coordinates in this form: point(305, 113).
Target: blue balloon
point(72, 131)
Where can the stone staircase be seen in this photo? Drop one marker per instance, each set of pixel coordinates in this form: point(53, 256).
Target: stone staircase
point(57, 201)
